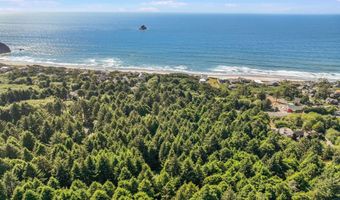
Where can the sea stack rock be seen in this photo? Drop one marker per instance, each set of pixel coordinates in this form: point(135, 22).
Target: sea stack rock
point(4, 48)
point(143, 28)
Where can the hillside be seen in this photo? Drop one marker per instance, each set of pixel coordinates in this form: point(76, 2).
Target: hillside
point(80, 134)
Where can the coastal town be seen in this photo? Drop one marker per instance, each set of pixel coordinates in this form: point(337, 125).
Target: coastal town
point(318, 96)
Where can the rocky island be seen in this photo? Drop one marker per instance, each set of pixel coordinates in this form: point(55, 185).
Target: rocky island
point(143, 28)
point(4, 48)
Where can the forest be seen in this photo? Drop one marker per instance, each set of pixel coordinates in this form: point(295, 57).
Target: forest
point(83, 134)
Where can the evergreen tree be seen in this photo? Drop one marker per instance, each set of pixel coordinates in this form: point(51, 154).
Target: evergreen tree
point(47, 193)
point(28, 140)
point(30, 195)
point(9, 182)
point(100, 195)
point(186, 191)
point(104, 169)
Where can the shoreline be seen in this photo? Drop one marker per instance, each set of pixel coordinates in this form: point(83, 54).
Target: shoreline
point(258, 78)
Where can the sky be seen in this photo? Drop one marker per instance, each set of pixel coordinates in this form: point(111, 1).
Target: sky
point(176, 6)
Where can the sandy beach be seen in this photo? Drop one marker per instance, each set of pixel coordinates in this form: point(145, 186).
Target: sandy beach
point(259, 78)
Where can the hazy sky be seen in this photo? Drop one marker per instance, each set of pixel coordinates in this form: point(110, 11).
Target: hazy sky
point(187, 6)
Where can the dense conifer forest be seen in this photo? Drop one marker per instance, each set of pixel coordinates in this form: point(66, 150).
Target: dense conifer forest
point(81, 134)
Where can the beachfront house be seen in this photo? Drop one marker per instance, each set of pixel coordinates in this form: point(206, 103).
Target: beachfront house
point(5, 69)
point(203, 78)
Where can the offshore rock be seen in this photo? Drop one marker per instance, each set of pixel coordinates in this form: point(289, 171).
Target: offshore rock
point(4, 48)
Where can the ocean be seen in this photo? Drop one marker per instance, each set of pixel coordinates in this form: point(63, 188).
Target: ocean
point(303, 46)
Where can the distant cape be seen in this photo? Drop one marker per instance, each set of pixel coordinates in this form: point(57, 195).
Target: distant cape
point(4, 48)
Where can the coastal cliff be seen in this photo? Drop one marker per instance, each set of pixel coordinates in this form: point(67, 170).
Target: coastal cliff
point(4, 48)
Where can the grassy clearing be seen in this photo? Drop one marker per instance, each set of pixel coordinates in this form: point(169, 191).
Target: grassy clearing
point(39, 102)
point(33, 102)
point(5, 87)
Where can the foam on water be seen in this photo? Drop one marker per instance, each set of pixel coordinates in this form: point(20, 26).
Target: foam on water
point(31, 60)
point(300, 75)
point(92, 63)
point(117, 64)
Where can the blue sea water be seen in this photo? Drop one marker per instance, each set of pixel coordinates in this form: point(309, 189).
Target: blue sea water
point(296, 45)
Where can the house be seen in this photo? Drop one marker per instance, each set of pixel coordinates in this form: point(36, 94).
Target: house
point(295, 134)
point(337, 113)
point(102, 78)
point(74, 95)
point(24, 69)
point(222, 81)
point(234, 81)
point(273, 83)
point(203, 79)
point(258, 81)
point(232, 86)
point(293, 108)
point(240, 80)
point(337, 94)
point(141, 76)
point(5, 69)
point(286, 132)
point(332, 101)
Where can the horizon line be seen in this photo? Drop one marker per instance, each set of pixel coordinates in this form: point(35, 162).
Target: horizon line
point(133, 12)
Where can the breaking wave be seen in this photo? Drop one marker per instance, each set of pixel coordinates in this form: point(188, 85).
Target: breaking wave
point(92, 63)
point(117, 64)
point(299, 75)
